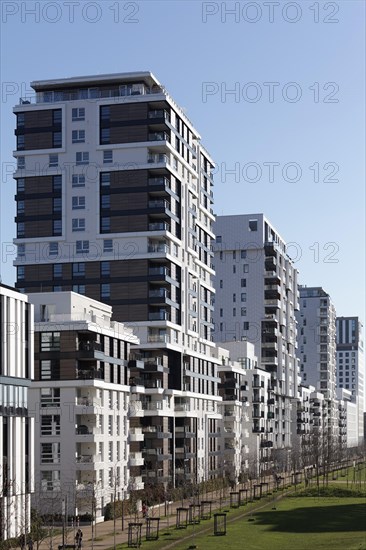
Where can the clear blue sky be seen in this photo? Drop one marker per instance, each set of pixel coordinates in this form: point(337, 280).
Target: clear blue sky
point(194, 47)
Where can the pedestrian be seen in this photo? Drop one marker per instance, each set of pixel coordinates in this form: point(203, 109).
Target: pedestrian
point(22, 542)
point(30, 544)
point(79, 538)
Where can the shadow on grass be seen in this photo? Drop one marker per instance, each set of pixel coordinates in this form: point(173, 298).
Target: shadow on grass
point(317, 519)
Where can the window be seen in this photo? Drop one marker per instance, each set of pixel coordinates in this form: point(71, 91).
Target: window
point(50, 369)
point(21, 250)
point(78, 269)
point(107, 157)
point(78, 203)
point(246, 325)
point(78, 114)
point(50, 480)
point(57, 204)
point(20, 272)
point(243, 297)
point(243, 311)
point(221, 312)
point(246, 268)
point(221, 283)
point(78, 180)
point(78, 136)
point(80, 289)
point(20, 163)
point(20, 185)
point(105, 112)
point(234, 254)
point(105, 179)
point(105, 269)
point(57, 228)
point(50, 341)
point(243, 283)
point(20, 120)
point(20, 207)
point(20, 143)
point(108, 245)
point(78, 224)
point(105, 136)
point(234, 268)
point(50, 453)
point(105, 201)
point(57, 139)
point(57, 271)
point(105, 224)
point(57, 116)
point(105, 290)
point(53, 161)
point(20, 229)
point(82, 158)
point(253, 225)
point(234, 297)
point(50, 424)
point(234, 311)
point(82, 247)
point(218, 239)
point(243, 254)
point(57, 183)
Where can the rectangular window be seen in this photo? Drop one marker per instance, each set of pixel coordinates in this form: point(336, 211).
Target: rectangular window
point(20, 120)
point(105, 269)
point(20, 229)
point(78, 114)
point(243, 311)
point(50, 481)
point(20, 163)
point(78, 136)
point(105, 224)
point(53, 249)
point(80, 289)
point(218, 239)
point(234, 268)
point(246, 268)
point(82, 247)
point(243, 297)
point(57, 139)
point(234, 311)
point(50, 424)
point(105, 290)
point(108, 245)
point(56, 183)
point(243, 254)
point(78, 269)
point(234, 297)
point(20, 143)
point(50, 341)
point(57, 228)
point(105, 179)
point(53, 161)
point(78, 203)
point(105, 112)
point(221, 312)
point(78, 224)
point(82, 158)
point(243, 283)
point(105, 136)
point(57, 116)
point(20, 185)
point(50, 369)
point(234, 254)
point(107, 157)
point(253, 225)
point(221, 283)
point(57, 271)
point(57, 205)
point(105, 201)
point(20, 207)
point(78, 180)
point(21, 250)
point(246, 325)
point(20, 272)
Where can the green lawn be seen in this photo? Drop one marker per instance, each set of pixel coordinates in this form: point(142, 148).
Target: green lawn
point(297, 523)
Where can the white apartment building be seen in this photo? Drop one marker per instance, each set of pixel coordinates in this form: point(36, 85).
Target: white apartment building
point(348, 421)
point(256, 300)
point(114, 201)
point(87, 450)
point(16, 428)
point(317, 348)
point(351, 364)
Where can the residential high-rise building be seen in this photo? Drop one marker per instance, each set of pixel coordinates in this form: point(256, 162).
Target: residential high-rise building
point(351, 364)
point(317, 349)
point(16, 427)
point(114, 201)
point(86, 444)
point(256, 301)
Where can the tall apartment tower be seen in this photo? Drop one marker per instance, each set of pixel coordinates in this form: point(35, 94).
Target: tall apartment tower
point(256, 301)
point(317, 348)
point(114, 201)
point(351, 364)
point(16, 427)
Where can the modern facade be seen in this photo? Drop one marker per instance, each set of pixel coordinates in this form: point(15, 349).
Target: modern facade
point(114, 201)
point(87, 450)
point(351, 364)
point(317, 349)
point(16, 428)
point(256, 301)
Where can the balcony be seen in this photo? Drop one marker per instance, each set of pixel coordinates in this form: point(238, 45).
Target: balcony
point(159, 226)
point(159, 316)
point(159, 113)
point(158, 181)
point(158, 338)
point(136, 434)
point(136, 459)
point(89, 374)
point(159, 203)
point(159, 293)
point(88, 402)
point(158, 158)
point(84, 430)
point(158, 136)
point(89, 345)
